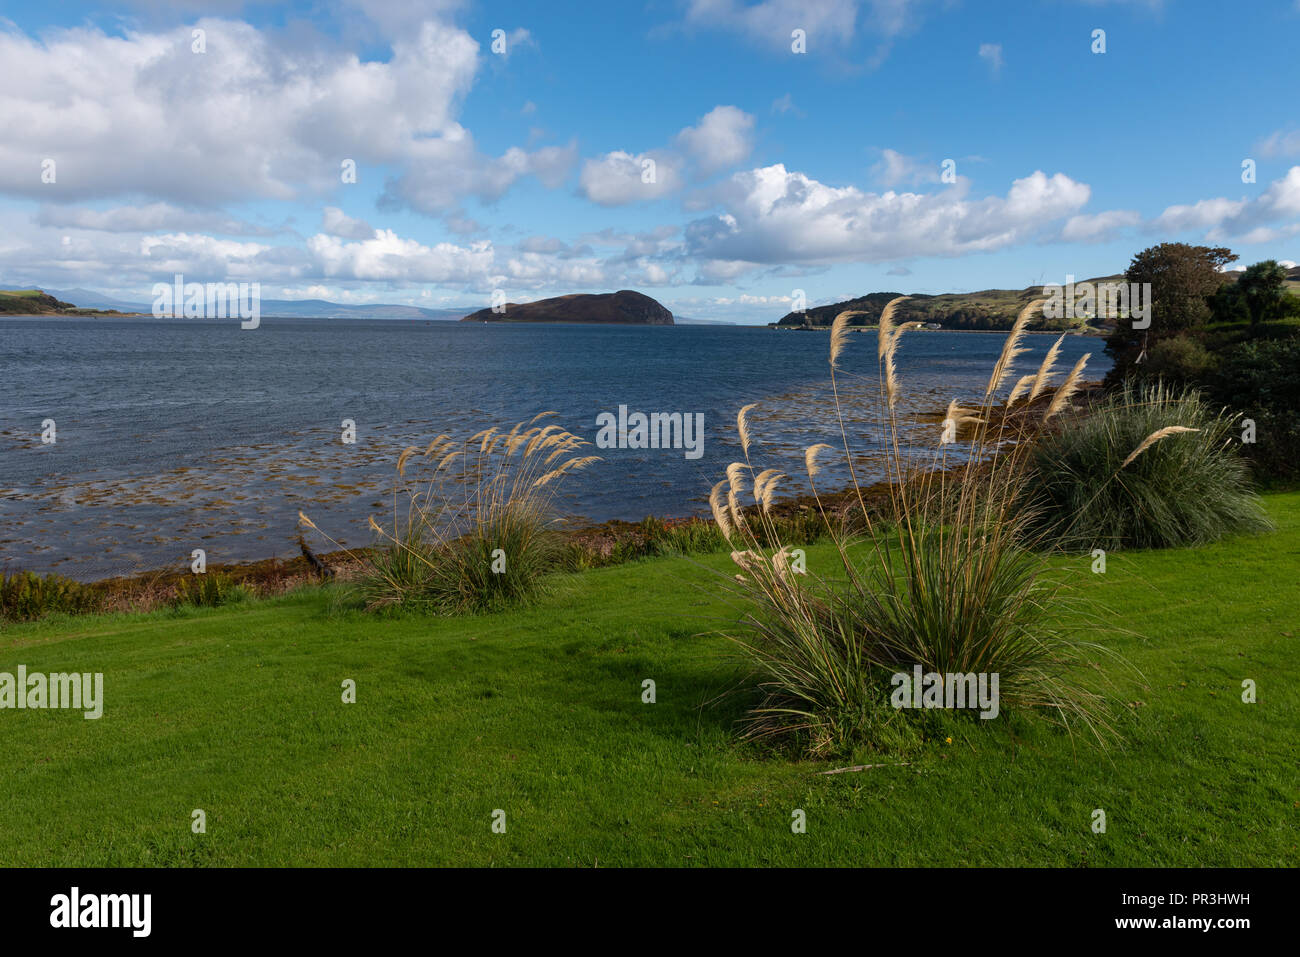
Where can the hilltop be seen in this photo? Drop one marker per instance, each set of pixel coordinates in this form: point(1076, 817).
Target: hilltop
point(985, 309)
point(624, 307)
point(1293, 280)
point(36, 302)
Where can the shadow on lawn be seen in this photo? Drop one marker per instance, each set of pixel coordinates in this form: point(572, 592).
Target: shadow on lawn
point(693, 694)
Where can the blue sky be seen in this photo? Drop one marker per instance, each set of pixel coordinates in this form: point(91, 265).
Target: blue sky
point(522, 171)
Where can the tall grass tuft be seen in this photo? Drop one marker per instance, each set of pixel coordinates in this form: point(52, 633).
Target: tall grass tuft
point(210, 590)
point(946, 576)
point(1152, 467)
point(26, 596)
point(473, 530)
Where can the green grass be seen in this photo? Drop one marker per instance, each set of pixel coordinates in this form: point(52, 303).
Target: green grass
point(237, 711)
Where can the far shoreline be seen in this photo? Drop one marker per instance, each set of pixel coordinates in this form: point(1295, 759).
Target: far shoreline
point(1090, 331)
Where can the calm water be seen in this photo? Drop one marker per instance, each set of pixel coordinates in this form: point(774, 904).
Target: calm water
point(174, 435)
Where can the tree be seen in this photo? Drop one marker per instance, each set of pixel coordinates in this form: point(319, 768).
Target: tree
point(1227, 305)
point(1262, 288)
point(1181, 279)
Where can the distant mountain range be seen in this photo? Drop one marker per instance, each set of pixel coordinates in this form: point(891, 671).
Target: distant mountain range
point(322, 309)
point(271, 308)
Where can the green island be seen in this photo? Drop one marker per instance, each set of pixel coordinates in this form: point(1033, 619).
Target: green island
point(35, 302)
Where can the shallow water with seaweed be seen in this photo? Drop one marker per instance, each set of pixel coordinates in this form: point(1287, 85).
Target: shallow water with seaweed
point(175, 435)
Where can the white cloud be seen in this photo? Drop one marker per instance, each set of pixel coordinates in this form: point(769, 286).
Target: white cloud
point(463, 225)
point(618, 178)
point(386, 256)
point(723, 138)
point(201, 255)
point(1098, 227)
point(335, 222)
point(1200, 215)
point(144, 115)
point(722, 271)
point(128, 265)
point(785, 104)
point(312, 292)
point(1245, 220)
point(1282, 198)
point(770, 22)
point(519, 37)
point(895, 169)
point(394, 17)
point(777, 216)
point(148, 218)
point(992, 54)
point(654, 274)
point(1281, 143)
point(445, 170)
point(551, 164)
point(535, 271)
point(829, 25)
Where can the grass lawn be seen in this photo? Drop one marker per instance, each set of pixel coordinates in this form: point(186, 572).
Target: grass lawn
point(238, 711)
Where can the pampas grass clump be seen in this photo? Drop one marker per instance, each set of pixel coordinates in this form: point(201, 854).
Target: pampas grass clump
point(474, 531)
point(1152, 467)
point(948, 578)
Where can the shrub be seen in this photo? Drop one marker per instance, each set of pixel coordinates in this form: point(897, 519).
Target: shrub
point(209, 590)
point(396, 573)
point(1181, 360)
point(1152, 467)
point(1260, 379)
point(476, 533)
point(944, 578)
point(501, 559)
point(25, 596)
